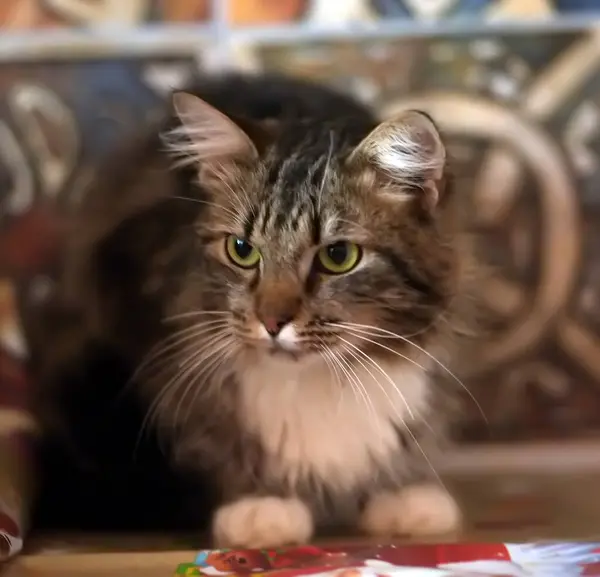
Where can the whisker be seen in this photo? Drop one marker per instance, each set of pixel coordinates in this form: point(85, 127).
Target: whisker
point(158, 353)
point(217, 362)
point(169, 389)
point(233, 194)
point(249, 206)
point(326, 352)
point(381, 303)
point(354, 379)
point(149, 417)
point(325, 171)
point(358, 331)
point(175, 342)
point(380, 369)
point(400, 417)
point(189, 314)
point(337, 364)
point(191, 365)
point(390, 380)
point(166, 362)
point(359, 335)
point(185, 365)
point(351, 353)
point(345, 371)
point(185, 332)
point(173, 386)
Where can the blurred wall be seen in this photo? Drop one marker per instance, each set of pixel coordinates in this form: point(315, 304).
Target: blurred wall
point(520, 108)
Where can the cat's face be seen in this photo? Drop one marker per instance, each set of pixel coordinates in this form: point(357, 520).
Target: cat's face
point(325, 248)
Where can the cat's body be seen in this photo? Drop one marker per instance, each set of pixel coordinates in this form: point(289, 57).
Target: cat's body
point(283, 316)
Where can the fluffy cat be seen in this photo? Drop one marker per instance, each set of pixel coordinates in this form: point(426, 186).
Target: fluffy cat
point(269, 282)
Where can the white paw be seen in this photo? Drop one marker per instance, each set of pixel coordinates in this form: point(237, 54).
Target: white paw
point(418, 510)
point(262, 522)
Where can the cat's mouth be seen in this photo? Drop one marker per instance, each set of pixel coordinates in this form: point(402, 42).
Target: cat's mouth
point(277, 348)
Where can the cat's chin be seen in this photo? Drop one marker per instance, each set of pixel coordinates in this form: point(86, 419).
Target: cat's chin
point(280, 350)
point(285, 357)
point(285, 353)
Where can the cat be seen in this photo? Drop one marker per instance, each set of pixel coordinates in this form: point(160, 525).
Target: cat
point(274, 283)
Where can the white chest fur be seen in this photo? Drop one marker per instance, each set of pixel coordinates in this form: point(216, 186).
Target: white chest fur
point(309, 422)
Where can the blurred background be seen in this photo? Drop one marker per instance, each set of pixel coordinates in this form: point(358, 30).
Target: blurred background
point(514, 84)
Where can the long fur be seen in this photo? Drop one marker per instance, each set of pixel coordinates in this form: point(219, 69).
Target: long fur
point(162, 371)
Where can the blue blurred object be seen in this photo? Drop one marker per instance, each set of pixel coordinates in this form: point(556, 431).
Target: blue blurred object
point(576, 5)
point(109, 99)
point(402, 9)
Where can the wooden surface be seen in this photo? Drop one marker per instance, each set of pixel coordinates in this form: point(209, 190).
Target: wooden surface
point(507, 507)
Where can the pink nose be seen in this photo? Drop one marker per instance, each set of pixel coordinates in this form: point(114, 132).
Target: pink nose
point(273, 325)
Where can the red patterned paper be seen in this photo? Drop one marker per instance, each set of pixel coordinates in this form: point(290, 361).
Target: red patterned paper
point(451, 560)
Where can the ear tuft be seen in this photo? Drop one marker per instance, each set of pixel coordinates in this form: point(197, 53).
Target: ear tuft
point(205, 134)
point(406, 150)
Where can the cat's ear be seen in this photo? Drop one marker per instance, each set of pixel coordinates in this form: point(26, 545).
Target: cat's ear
point(406, 151)
point(206, 135)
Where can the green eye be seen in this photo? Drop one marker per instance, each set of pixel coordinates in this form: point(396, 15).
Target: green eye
point(338, 258)
point(241, 253)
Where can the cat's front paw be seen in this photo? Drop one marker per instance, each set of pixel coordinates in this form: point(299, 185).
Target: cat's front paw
point(417, 510)
point(262, 522)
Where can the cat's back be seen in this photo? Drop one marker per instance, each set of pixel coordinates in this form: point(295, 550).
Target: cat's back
point(276, 96)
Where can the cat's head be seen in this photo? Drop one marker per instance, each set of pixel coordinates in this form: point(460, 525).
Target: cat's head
point(314, 239)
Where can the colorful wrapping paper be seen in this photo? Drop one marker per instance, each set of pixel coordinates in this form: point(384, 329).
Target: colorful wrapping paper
point(449, 560)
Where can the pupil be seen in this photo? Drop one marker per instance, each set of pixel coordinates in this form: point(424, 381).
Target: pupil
point(243, 249)
point(338, 253)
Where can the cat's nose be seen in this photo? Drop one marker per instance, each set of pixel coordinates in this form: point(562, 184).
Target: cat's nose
point(273, 324)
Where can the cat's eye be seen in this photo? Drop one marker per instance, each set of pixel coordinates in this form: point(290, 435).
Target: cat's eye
point(241, 253)
point(338, 258)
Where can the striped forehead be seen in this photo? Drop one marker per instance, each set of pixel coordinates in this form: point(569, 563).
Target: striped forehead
point(291, 212)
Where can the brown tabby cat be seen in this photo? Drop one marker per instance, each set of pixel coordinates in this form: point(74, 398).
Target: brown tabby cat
point(276, 300)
